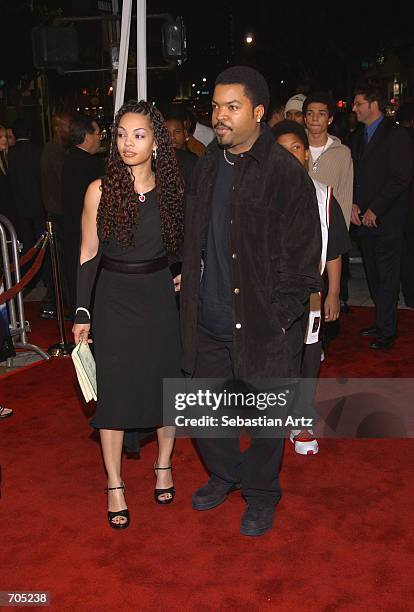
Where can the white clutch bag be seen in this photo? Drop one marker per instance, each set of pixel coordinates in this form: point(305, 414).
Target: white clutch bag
point(85, 370)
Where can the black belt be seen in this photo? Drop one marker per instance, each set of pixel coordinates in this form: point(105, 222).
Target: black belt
point(135, 267)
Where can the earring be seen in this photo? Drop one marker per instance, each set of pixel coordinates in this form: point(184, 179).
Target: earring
point(154, 154)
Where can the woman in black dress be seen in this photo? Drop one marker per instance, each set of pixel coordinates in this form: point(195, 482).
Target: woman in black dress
point(132, 227)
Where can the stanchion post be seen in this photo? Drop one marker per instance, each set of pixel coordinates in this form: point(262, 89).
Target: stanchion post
point(61, 348)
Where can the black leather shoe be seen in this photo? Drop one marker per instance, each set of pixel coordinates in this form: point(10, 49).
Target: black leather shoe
point(369, 331)
point(256, 520)
point(47, 313)
point(382, 343)
point(213, 494)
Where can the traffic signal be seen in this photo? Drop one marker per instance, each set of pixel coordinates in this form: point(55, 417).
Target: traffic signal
point(174, 41)
point(54, 46)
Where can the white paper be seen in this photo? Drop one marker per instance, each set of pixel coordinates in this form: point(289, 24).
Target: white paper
point(85, 370)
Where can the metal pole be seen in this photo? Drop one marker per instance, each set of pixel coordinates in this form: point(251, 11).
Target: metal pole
point(114, 42)
point(18, 322)
point(123, 54)
point(7, 273)
point(141, 50)
point(61, 348)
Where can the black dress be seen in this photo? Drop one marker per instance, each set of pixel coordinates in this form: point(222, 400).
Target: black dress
point(136, 331)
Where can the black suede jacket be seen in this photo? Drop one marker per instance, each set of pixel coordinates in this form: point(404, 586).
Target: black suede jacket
point(275, 246)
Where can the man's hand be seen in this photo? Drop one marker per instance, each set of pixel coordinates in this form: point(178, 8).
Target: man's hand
point(355, 212)
point(369, 219)
point(332, 307)
point(177, 283)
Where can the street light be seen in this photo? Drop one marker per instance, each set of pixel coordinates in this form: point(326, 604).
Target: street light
point(249, 39)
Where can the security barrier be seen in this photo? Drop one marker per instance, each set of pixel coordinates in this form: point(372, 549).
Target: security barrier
point(14, 284)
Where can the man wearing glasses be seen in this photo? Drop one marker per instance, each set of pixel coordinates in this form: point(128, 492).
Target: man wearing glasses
point(383, 164)
point(81, 167)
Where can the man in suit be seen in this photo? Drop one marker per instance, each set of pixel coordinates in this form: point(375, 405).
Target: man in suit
point(383, 159)
point(81, 167)
point(53, 157)
point(24, 174)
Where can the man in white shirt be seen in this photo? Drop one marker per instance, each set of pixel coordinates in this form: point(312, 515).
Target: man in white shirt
point(330, 162)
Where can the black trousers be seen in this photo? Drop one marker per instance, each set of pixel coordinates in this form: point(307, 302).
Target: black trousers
point(344, 293)
point(382, 260)
point(407, 264)
point(30, 230)
point(256, 468)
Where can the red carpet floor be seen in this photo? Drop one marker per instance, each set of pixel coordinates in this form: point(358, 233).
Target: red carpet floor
point(343, 532)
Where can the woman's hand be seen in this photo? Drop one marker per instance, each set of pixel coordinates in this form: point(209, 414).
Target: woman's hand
point(81, 333)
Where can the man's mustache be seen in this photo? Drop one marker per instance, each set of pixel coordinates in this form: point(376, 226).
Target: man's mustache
point(220, 124)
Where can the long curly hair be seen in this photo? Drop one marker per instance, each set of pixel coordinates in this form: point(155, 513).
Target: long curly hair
point(118, 207)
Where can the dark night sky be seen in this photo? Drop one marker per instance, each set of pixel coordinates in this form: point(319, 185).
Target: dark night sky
point(324, 44)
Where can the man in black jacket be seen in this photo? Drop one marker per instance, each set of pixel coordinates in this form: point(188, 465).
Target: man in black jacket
point(252, 223)
point(24, 173)
point(53, 157)
point(383, 162)
point(25, 179)
point(80, 168)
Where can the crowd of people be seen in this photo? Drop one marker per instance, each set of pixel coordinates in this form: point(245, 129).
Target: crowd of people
point(248, 221)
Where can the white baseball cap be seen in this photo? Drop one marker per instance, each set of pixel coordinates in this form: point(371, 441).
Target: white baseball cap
point(295, 103)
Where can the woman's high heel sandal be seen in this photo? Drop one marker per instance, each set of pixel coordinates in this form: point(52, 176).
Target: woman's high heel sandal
point(121, 513)
point(159, 492)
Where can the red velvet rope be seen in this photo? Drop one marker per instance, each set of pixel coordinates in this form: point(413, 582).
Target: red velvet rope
point(10, 293)
point(26, 257)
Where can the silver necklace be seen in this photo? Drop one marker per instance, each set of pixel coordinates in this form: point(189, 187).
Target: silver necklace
point(316, 162)
point(227, 160)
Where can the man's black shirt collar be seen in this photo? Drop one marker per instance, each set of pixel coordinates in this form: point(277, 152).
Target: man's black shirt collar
point(259, 149)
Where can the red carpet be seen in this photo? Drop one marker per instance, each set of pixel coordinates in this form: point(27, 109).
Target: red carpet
point(343, 531)
point(349, 355)
point(44, 333)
